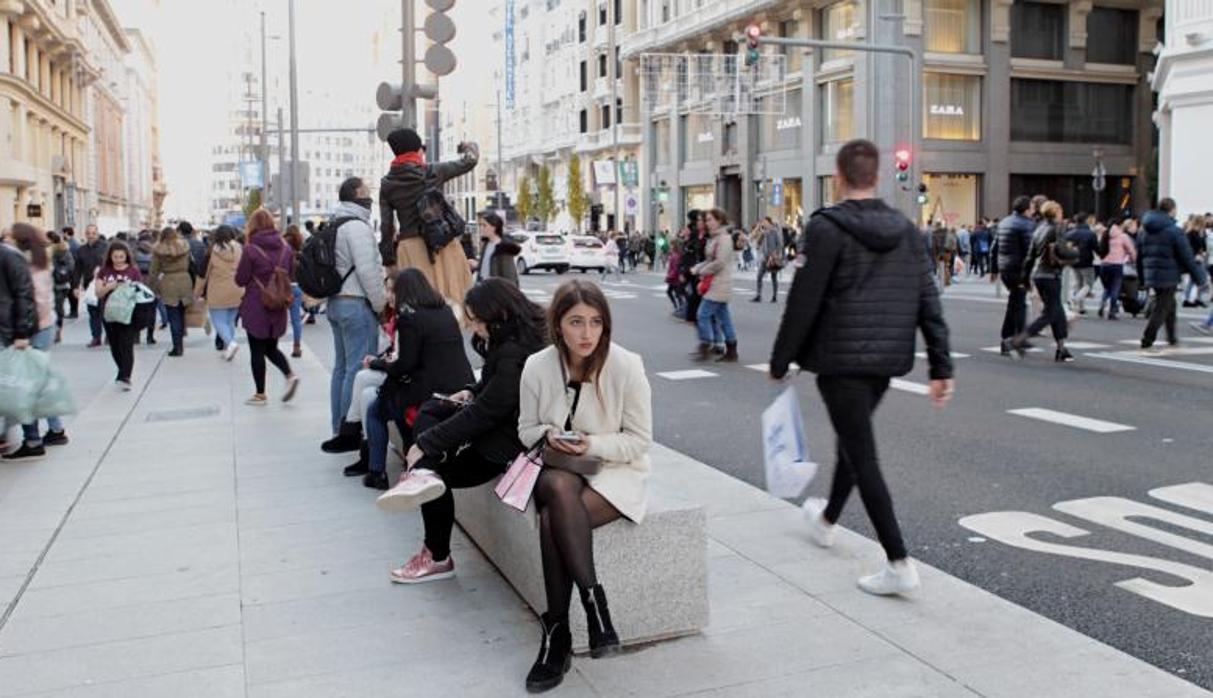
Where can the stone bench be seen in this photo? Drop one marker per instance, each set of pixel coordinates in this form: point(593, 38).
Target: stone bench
point(655, 574)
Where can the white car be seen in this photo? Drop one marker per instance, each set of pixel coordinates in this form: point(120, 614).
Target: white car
point(541, 250)
point(588, 253)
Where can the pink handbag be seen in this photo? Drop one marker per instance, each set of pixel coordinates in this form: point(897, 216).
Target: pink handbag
point(515, 487)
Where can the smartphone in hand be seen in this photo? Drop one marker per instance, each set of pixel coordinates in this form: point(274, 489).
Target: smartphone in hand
point(568, 437)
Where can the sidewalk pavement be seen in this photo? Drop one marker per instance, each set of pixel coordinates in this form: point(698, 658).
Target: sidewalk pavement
point(187, 545)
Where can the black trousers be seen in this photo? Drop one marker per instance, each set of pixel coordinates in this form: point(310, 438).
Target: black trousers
point(1016, 315)
point(259, 351)
point(122, 347)
point(763, 271)
point(1053, 314)
point(1162, 315)
point(851, 401)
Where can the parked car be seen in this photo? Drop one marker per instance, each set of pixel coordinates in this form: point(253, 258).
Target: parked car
point(588, 253)
point(542, 250)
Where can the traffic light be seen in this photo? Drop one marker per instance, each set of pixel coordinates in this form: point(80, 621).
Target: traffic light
point(398, 100)
point(901, 161)
point(922, 195)
point(439, 28)
point(752, 34)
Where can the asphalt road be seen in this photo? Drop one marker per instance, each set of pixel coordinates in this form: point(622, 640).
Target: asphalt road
point(1002, 473)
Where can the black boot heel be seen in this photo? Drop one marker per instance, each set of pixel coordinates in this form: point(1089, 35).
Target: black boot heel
point(604, 640)
point(555, 655)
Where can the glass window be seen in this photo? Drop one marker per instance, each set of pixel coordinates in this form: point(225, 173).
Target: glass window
point(838, 111)
point(606, 115)
point(795, 55)
point(781, 131)
point(1071, 112)
point(1112, 36)
point(700, 137)
point(952, 107)
point(1038, 30)
point(581, 27)
point(584, 121)
point(953, 26)
point(839, 22)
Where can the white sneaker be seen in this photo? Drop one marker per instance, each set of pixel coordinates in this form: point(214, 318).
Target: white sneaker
point(230, 352)
point(821, 532)
point(415, 487)
point(896, 578)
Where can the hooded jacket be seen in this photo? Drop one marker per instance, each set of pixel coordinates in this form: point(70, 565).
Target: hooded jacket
point(400, 190)
point(170, 272)
point(864, 289)
point(18, 313)
point(1164, 253)
point(356, 249)
point(219, 282)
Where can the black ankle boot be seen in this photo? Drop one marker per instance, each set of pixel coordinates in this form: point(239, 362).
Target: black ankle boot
point(555, 655)
point(362, 467)
point(730, 353)
point(348, 438)
point(603, 638)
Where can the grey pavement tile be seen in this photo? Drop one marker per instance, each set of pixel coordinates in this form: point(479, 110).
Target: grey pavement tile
point(18, 562)
point(25, 634)
point(166, 558)
point(75, 596)
point(114, 661)
point(9, 586)
point(78, 527)
point(770, 538)
point(217, 682)
point(883, 677)
point(28, 540)
point(156, 489)
point(211, 470)
point(822, 572)
point(151, 542)
point(168, 502)
point(938, 598)
point(709, 661)
point(762, 605)
point(289, 478)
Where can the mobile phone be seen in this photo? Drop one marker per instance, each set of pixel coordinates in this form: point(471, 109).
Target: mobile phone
point(569, 437)
point(446, 398)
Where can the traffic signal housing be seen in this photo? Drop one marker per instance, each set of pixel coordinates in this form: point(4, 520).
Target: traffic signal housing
point(923, 199)
point(752, 35)
point(901, 162)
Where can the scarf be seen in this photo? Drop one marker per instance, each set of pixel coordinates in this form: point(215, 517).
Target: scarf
point(415, 157)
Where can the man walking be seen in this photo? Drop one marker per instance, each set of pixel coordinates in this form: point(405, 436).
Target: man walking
point(860, 254)
point(354, 312)
point(1085, 241)
point(89, 257)
point(1014, 240)
point(1164, 250)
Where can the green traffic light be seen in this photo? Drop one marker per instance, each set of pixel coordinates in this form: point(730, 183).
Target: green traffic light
point(903, 177)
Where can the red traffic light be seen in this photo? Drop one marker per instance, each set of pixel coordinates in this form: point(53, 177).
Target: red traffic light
point(753, 33)
point(902, 158)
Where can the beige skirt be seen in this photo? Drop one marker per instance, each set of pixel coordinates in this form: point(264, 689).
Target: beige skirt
point(448, 273)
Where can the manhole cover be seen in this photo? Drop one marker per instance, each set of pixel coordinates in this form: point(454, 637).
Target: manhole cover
point(182, 414)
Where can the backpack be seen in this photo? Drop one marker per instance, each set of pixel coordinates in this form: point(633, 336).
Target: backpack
point(1103, 247)
point(316, 270)
point(1060, 252)
point(276, 295)
point(440, 224)
point(61, 274)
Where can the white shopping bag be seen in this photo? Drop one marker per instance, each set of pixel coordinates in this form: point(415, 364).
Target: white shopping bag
point(785, 449)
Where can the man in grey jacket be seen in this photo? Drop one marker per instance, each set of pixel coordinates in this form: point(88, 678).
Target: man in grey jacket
point(354, 312)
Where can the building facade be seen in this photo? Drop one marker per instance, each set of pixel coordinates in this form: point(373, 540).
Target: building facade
point(144, 178)
point(105, 100)
point(1017, 97)
point(1184, 81)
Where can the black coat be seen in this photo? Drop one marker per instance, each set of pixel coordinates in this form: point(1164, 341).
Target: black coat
point(1013, 242)
point(1164, 253)
point(89, 259)
point(429, 359)
point(864, 289)
point(400, 190)
point(490, 423)
point(1086, 241)
point(18, 314)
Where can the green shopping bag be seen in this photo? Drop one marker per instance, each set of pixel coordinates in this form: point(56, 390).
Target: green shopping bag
point(23, 374)
point(55, 400)
point(120, 304)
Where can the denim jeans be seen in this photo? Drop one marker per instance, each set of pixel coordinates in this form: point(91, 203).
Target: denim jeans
point(95, 320)
point(296, 311)
point(1112, 277)
point(224, 320)
point(176, 323)
point(355, 335)
point(375, 429)
point(43, 342)
point(711, 310)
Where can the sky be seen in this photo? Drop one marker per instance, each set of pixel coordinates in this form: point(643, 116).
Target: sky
point(344, 48)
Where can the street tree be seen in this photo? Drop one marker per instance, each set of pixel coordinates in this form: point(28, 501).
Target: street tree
point(526, 200)
point(545, 206)
point(253, 202)
point(579, 203)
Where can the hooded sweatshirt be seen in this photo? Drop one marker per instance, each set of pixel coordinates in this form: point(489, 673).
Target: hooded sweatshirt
point(864, 289)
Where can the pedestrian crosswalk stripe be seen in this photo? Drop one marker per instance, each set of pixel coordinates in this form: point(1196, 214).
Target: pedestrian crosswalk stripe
point(689, 374)
point(1131, 342)
point(909, 386)
point(954, 355)
point(1085, 345)
point(995, 350)
point(1071, 420)
point(1130, 357)
point(1181, 351)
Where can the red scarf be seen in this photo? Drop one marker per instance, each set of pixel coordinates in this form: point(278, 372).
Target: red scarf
point(417, 157)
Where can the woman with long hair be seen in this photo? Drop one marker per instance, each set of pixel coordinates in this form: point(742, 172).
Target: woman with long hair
point(218, 286)
point(118, 268)
point(63, 269)
point(713, 310)
point(1046, 260)
point(294, 239)
point(471, 437)
point(265, 252)
point(1119, 252)
point(589, 402)
point(497, 252)
point(170, 279)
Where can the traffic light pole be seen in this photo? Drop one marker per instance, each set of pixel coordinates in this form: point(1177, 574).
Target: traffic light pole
point(408, 63)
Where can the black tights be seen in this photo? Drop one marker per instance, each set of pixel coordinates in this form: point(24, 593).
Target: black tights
point(569, 511)
point(259, 351)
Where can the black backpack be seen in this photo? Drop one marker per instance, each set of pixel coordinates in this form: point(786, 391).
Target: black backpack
point(440, 224)
point(1102, 247)
point(316, 269)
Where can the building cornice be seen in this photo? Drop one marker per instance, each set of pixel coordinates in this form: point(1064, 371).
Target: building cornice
point(108, 18)
point(30, 96)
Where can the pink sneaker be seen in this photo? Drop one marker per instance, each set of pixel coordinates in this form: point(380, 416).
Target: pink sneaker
point(415, 487)
point(422, 568)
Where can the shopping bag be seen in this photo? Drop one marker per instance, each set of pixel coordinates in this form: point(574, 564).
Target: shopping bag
point(785, 448)
point(55, 399)
point(120, 304)
point(23, 374)
point(90, 294)
point(196, 315)
point(515, 487)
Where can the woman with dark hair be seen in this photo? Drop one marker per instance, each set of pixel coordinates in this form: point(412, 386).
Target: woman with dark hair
point(588, 399)
point(430, 359)
point(1047, 259)
point(117, 269)
point(265, 252)
point(170, 279)
point(497, 252)
point(63, 266)
point(716, 272)
point(294, 239)
point(218, 286)
point(471, 437)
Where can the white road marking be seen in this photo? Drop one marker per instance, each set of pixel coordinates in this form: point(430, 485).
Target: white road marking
point(766, 368)
point(1193, 495)
point(1145, 361)
point(1179, 351)
point(909, 387)
point(1130, 342)
point(954, 355)
point(689, 374)
point(1084, 346)
point(1071, 420)
point(995, 350)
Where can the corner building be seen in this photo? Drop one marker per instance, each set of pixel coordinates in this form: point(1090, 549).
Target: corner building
point(1017, 97)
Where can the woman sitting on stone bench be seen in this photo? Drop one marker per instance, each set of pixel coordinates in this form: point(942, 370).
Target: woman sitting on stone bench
point(590, 399)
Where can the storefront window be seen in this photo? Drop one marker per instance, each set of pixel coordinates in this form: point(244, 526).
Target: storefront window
point(1055, 111)
point(781, 131)
point(952, 107)
point(953, 26)
point(788, 207)
point(702, 197)
point(951, 199)
point(839, 22)
point(838, 111)
point(699, 137)
point(826, 190)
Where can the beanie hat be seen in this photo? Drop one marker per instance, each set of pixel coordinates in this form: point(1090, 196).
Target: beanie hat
point(404, 140)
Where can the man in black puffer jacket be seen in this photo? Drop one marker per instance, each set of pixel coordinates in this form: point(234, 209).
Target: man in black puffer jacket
point(18, 314)
point(864, 288)
point(1012, 243)
point(1163, 255)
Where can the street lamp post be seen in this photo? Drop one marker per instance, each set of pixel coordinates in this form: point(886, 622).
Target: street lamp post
point(294, 120)
point(265, 159)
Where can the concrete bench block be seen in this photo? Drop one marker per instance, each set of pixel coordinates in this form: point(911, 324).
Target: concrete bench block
point(655, 573)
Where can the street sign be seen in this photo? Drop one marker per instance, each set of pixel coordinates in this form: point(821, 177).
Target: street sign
point(250, 174)
point(33, 210)
point(1098, 177)
point(777, 192)
point(629, 173)
point(631, 204)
